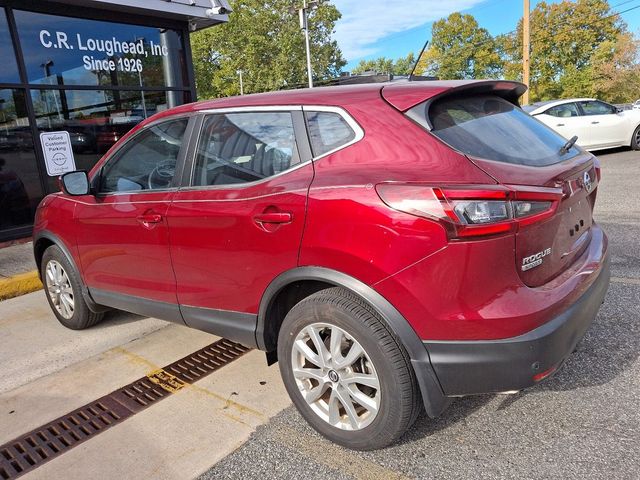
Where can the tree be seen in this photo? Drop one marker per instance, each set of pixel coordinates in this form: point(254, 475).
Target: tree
point(263, 40)
point(564, 37)
point(401, 66)
point(616, 69)
point(460, 48)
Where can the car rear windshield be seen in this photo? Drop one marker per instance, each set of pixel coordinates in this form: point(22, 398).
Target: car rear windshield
point(489, 127)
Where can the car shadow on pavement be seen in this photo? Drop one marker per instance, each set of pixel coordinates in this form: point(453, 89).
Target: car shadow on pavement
point(113, 318)
point(610, 347)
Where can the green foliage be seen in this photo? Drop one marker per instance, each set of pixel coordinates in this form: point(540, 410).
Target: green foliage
point(264, 40)
point(578, 49)
point(459, 49)
point(564, 37)
point(401, 66)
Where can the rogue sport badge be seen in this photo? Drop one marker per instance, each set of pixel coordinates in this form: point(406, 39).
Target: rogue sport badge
point(534, 260)
point(586, 181)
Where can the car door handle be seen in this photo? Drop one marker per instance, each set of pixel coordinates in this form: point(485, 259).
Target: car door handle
point(560, 125)
point(594, 123)
point(149, 219)
point(273, 217)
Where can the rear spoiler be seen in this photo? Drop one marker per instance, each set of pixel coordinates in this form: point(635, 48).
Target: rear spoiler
point(404, 96)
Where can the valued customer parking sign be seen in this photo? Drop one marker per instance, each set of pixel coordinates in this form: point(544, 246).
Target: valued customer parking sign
point(58, 154)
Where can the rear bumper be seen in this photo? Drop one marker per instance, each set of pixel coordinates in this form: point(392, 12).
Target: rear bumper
point(485, 366)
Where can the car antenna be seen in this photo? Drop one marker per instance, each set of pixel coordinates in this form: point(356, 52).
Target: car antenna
point(567, 146)
point(412, 76)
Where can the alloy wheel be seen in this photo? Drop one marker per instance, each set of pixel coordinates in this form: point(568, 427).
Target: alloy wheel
point(59, 289)
point(335, 376)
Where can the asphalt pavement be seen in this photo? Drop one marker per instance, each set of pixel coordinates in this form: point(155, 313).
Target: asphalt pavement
point(582, 423)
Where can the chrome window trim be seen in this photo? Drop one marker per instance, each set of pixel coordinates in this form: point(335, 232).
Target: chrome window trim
point(355, 126)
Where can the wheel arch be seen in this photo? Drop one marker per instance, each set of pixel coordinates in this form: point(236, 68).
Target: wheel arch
point(45, 239)
point(278, 300)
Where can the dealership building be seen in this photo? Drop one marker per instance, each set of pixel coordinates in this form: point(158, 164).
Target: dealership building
point(78, 74)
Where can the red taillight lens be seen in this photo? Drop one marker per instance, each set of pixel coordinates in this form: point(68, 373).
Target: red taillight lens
point(473, 211)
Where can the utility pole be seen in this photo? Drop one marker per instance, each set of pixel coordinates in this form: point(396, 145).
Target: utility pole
point(526, 49)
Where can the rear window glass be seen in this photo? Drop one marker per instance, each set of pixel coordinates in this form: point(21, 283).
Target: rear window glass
point(491, 128)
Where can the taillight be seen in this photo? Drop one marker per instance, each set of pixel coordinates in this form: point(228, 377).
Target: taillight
point(474, 210)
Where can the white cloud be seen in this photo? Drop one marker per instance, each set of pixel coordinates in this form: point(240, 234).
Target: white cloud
point(365, 22)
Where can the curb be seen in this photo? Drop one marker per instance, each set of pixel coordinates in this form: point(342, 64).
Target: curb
point(19, 285)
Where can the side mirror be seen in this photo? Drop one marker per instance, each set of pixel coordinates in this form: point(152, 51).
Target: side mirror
point(619, 110)
point(75, 183)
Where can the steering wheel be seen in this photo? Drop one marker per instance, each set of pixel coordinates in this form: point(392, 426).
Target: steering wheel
point(162, 175)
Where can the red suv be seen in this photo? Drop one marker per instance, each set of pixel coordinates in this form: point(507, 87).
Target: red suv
point(393, 246)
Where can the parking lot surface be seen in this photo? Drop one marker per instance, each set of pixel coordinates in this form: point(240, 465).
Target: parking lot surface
point(582, 423)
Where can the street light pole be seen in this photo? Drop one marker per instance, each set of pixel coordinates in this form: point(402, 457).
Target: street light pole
point(304, 25)
point(239, 72)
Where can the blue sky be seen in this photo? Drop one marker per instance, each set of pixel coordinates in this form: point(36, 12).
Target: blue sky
point(393, 28)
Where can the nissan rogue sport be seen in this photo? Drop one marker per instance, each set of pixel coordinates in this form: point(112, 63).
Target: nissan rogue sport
point(393, 245)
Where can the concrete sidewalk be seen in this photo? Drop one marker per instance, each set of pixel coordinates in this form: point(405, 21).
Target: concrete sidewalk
point(18, 274)
point(50, 371)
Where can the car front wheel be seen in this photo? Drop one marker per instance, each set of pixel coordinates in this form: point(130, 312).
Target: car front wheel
point(346, 372)
point(64, 291)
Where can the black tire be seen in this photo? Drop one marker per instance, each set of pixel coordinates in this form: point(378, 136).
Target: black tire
point(81, 317)
point(635, 139)
point(399, 403)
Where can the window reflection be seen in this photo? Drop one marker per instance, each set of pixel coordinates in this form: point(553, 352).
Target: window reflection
point(95, 119)
point(20, 188)
point(9, 70)
point(72, 51)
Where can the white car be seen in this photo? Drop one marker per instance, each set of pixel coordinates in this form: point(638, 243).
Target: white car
point(597, 124)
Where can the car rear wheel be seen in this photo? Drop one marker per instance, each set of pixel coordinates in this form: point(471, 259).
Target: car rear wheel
point(346, 372)
point(635, 141)
point(64, 291)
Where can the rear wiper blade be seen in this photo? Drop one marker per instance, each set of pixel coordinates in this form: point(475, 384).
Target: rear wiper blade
point(567, 146)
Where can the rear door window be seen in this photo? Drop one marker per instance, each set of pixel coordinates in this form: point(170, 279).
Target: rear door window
point(245, 147)
point(488, 127)
point(597, 108)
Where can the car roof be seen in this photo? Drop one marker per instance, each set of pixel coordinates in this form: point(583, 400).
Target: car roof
point(402, 95)
point(539, 107)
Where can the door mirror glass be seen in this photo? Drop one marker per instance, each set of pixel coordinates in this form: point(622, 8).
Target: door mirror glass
point(75, 183)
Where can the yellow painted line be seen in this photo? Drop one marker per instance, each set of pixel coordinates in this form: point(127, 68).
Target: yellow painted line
point(19, 285)
point(334, 457)
point(627, 281)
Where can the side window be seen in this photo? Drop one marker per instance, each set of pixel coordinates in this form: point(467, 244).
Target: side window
point(327, 131)
point(564, 111)
point(244, 147)
point(597, 108)
point(147, 161)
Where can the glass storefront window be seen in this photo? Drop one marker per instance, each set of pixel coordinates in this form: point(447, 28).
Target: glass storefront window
point(73, 51)
point(9, 70)
point(95, 119)
point(20, 188)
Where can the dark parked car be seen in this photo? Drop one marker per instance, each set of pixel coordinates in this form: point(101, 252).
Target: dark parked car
point(393, 246)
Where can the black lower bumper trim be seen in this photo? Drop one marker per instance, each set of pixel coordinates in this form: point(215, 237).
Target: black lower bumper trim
point(474, 367)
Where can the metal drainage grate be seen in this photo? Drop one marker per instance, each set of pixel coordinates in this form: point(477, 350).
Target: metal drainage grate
point(44, 443)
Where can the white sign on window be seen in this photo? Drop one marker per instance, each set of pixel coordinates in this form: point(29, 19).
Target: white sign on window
point(58, 154)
